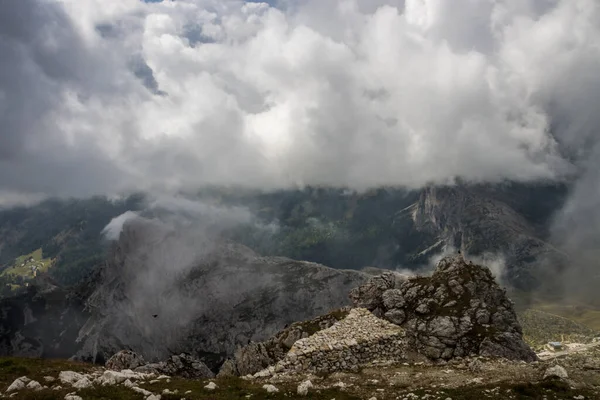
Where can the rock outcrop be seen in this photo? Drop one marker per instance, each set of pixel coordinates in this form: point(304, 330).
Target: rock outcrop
point(479, 219)
point(43, 321)
point(459, 311)
point(125, 359)
point(182, 365)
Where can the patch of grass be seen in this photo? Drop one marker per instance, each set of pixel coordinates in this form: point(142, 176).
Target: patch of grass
point(549, 390)
point(580, 313)
point(236, 388)
point(540, 327)
point(12, 368)
point(29, 265)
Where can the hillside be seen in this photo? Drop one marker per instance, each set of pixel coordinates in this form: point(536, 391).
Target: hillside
point(65, 231)
point(383, 228)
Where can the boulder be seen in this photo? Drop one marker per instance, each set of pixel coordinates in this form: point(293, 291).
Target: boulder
point(125, 359)
point(17, 384)
point(370, 295)
point(556, 372)
point(83, 383)
point(228, 369)
point(302, 389)
point(270, 388)
point(34, 385)
point(459, 311)
point(182, 365)
point(69, 377)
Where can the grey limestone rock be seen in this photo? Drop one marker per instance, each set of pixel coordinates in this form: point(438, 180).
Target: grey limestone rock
point(459, 311)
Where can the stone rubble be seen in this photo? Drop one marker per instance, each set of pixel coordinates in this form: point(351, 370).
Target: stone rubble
point(254, 357)
point(358, 339)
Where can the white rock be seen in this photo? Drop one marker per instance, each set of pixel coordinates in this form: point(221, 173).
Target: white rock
point(303, 388)
point(144, 392)
point(167, 391)
point(17, 384)
point(210, 386)
point(128, 383)
point(57, 387)
point(111, 378)
point(34, 385)
point(556, 372)
point(153, 381)
point(270, 388)
point(83, 383)
point(265, 373)
point(69, 377)
point(72, 396)
point(153, 397)
point(49, 378)
point(188, 392)
point(163, 377)
point(373, 398)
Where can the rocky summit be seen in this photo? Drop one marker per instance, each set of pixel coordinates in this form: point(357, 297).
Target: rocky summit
point(459, 311)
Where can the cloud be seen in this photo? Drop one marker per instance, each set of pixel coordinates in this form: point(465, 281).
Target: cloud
point(113, 230)
point(104, 96)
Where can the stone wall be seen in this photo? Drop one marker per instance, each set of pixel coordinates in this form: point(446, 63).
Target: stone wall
point(358, 339)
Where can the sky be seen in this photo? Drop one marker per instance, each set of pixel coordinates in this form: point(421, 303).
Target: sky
point(108, 96)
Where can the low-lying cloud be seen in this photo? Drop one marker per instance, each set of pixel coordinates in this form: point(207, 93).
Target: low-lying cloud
point(105, 96)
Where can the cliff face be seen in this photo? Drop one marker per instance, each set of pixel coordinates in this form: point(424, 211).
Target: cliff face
point(479, 220)
point(459, 311)
point(42, 322)
point(170, 290)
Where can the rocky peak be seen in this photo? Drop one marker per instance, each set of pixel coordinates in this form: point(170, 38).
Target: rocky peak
point(479, 221)
point(459, 311)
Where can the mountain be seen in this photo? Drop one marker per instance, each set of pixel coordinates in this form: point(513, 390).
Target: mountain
point(482, 220)
point(171, 289)
point(66, 231)
point(386, 228)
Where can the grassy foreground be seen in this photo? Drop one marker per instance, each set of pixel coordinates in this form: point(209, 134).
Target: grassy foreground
point(235, 388)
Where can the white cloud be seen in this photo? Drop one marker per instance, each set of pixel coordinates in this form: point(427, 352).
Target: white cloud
point(349, 92)
point(112, 231)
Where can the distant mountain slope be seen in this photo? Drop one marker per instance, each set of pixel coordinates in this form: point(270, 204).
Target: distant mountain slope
point(175, 289)
point(383, 228)
point(68, 231)
point(478, 220)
